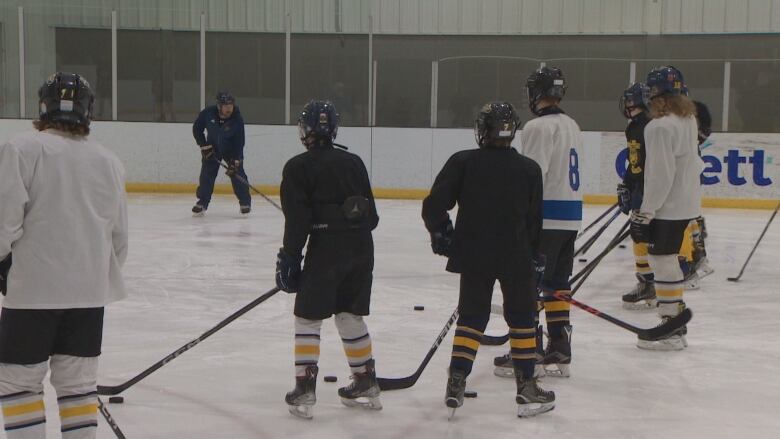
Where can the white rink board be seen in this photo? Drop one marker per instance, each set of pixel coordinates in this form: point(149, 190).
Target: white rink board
point(410, 158)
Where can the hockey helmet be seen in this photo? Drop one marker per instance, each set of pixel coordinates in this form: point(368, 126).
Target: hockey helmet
point(546, 82)
point(666, 80)
point(66, 97)
point(496, 121)
point(225, 98)
point(318, 121)
point(635, 96)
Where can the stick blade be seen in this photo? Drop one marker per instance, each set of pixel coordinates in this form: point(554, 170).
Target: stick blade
point(489, 340)
point(733, 279)
point(109, 390)
point(670, 325)
point(396, 383)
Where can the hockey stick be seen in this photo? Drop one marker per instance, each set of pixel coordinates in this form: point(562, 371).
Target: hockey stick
point(655, 333)
point(406, 382)
point(115, 390)
point(490, 340)
point(110, 420)
point(621, 235)
point(592, 240)
point(243, 180)
point(735, 279)
point(596, 221)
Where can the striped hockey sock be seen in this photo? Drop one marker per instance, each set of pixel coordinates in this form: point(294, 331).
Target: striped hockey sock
point(78, 415)
point(464, 348)
point(522, 342)
point(642, 265)
point(307, 344)
point(356, 340)
point(556, 313)
point(24, 414)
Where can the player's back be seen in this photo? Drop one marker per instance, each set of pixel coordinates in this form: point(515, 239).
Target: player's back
point(73, 230)
point(554, 141)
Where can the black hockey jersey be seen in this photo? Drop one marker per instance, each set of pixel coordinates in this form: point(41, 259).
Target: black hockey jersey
point(635, 141)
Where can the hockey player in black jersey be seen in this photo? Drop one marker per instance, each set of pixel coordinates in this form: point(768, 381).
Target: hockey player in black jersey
point(326, 198)
point(496, 237)
point(634, 106)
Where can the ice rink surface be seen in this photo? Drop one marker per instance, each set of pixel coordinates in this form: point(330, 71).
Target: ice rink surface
point(186, 274)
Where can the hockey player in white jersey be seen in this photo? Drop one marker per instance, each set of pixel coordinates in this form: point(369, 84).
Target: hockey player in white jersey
point(64, 216)
point(672, 194)
point(554, 141)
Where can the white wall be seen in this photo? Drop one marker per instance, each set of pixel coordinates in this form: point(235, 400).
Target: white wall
point(410, 158)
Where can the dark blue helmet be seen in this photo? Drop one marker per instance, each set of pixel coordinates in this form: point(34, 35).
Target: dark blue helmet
point(318, 121)
point(225, 98)
point(496, 121)
point(547, 82)
point(637, 95)
point(666, 80)
point(66, 97)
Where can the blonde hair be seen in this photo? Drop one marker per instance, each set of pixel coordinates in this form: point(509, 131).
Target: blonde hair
point(70, 128)
point(678, 105)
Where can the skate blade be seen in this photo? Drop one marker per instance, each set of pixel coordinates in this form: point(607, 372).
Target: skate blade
point(451, 413)
point(669, 344)
point(198, 215)
point(557, 370)
point(640, 306)
point(705, 271)
point(372, 403)
point(301, 411)
point(533, 409)
point(504, 372)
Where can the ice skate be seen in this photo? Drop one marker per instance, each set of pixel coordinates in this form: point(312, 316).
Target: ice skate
point(703, 268)
point(692, 281)
point(245, 210)
point(456, 388)
point(641, 297)
point(198, 210)
point(363, 391)
point(532, 399)
point(301, 399)
point(503, 366)
point(675, 341)
point(557, 356)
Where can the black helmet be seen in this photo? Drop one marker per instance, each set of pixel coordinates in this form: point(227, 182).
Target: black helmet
point(225, 98)
point(66, 97)
point(496, 121)
point(318, 120)
point(637, 95)
point(547, 82)
point(666, 80)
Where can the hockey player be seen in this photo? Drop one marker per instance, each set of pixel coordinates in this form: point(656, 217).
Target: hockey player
point(326, 197)
point(64, 216)
point(672, 195)
point(224, 140)
point(496, 237)
point(554, 141)
point(701, 266)
point(634, 103)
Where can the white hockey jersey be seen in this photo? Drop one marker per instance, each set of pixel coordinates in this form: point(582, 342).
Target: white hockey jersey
point(672, 169)
point(554, 141)
point(63, 216)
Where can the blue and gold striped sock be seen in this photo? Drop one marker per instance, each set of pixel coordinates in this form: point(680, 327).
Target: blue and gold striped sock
point(24, 415)
point(556, 313)
point(77, 413)
point(464, 348)
point(522, 342)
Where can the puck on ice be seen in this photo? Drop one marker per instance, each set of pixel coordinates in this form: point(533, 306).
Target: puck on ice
point(583, 260)
point(330, 379)
point(418, 307)
point(622, 246)
point(116, 399)
point(470, 394)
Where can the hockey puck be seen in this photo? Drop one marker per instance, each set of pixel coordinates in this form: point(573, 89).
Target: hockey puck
point(116, 399)
point(418, 307)
point(330, 379)
point(622, 246)
point(470, 394)
point(583, 259)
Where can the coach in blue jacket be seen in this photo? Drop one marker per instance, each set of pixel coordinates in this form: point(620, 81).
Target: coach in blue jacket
point(224, 140)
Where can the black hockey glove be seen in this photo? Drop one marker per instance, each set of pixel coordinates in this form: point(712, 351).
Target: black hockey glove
point(288, 271)
point(624, 198)
point(441, 239)
point(640, 226)
point(5, 267)
point(232, 167)
point(540, 263)
point(207, 152)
